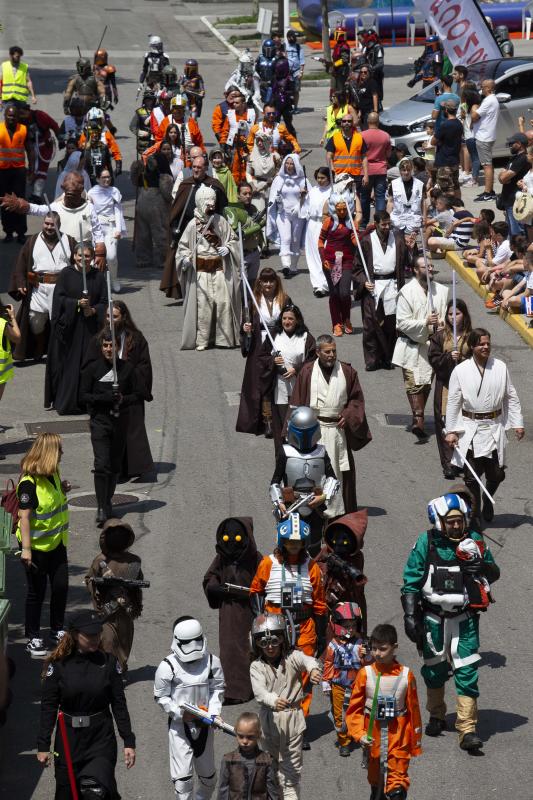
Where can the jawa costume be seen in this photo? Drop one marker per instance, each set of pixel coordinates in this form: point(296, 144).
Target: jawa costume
point(441, 615)
point(291, 585)
point(208, 269)
point(236, 562)
point(85, 87)
point(37, 270)
point(117, 604)
point(397, 730)
point(330, 395)
point(341, 562)
point(303, 467)
point(385, 259)
point(106, 73)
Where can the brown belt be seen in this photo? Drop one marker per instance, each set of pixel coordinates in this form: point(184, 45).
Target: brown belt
point(486, 415)
point(328, 419)
point(35, 278)
point(208, 264)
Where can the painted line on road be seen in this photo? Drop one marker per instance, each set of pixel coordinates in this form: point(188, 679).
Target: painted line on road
point(219, 36)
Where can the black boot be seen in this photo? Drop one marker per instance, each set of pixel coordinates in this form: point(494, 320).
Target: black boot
point(488, 509)
point(435, 726)
point(100, 489)
point(471, 741)
point(397, 794)
point(111, 486)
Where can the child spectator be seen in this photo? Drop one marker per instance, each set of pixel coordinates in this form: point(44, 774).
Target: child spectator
point(457, 234)
point(248, 771)
point(494, 252)
point(344, 655)
point(276, 676)
point(442, 217)
point(519, 298)
point(428, 148)
point(385, 702)
point(420, 170)
point(509, 275)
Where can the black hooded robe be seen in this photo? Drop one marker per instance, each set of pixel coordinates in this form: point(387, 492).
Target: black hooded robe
point(235, 613)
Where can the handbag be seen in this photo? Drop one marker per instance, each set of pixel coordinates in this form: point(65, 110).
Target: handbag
point(10, 502)
point(499, 202)
point(523, 207)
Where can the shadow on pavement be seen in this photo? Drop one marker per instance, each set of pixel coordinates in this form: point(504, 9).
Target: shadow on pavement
point(141, 675)
point(493, 660)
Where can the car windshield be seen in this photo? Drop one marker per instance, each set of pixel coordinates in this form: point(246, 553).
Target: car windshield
point(476, 73)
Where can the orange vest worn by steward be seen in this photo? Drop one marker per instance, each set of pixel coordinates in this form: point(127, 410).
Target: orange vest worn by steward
point(12, 151)
point(345, 160)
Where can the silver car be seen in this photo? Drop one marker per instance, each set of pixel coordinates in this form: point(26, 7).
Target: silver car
point(406, 121)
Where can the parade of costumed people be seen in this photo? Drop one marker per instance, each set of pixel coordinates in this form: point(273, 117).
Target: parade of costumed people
point(311, 225)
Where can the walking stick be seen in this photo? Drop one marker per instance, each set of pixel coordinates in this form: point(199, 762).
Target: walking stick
point(102, 39)
point(246, 315)
point(68, 758)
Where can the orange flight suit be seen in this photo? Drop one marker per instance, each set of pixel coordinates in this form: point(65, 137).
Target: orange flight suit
point(109, 140)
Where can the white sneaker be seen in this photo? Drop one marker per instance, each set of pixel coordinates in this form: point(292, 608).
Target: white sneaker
point(201, 347)
point(468, 184)
point(116, 287)
point(56, 636)
point(464, 177)
point(36, 648)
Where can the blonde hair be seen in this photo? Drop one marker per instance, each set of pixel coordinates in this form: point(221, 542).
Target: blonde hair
point(42, 458)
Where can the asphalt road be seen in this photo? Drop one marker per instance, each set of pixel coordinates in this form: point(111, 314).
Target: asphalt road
point(206, 471)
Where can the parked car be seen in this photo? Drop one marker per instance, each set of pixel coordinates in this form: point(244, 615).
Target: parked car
point(406, 121)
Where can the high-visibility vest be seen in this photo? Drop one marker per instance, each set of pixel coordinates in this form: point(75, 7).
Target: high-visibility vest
point(344, 161)
point(49, 521)
point(12, 151)
point(14, 87)
point(332, 119)
point(6, 357)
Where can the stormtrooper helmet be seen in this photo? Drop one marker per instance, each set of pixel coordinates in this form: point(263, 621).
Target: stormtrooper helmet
point(188, 640)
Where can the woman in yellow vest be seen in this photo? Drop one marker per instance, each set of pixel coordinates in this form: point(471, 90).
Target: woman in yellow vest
point(43, 533)
point(15, 76)
point(335, 112)
point(9, 334)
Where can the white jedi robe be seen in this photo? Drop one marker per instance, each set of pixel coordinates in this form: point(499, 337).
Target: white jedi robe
point(46, 260)
point(494, 393)
point(313, 211)
point(412, 310)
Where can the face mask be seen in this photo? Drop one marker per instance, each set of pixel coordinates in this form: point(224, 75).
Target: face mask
point(233, 540)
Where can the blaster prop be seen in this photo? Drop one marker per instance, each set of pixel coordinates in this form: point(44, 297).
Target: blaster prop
point(127, 583)
point(368, 738)
point(233, 587)
point(302, 501)
point(47, 201)
point(247, 318)
point(340, 568)
point(83, 272)
point(204, 717)
point(68, 758)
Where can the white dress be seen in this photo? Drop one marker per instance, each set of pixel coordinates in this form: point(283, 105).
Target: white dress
point(107, 202)
point(284, 223)
point(312, 211)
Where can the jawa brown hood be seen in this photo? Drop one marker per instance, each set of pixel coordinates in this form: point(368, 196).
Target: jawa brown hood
point(249, 552)
point(116, 537)
point(356, 523)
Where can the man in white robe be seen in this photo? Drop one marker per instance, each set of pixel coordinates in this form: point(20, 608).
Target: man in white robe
point(482, 405)
point(208, 270)
point(417, 317)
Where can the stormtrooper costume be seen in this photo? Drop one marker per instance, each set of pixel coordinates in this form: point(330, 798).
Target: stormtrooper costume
point(190, 674)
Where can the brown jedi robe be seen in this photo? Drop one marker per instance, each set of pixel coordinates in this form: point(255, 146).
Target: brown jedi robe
point(379, 331)
point(117, 635)
point(235, 613)
point(29, 346)
point(356, 429)
point(440, 358)
point(137, 455)
point(185, 199)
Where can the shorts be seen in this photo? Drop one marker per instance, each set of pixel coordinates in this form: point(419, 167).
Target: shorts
point(526, 306)
point(447, 244)
point(517, 277)
point(484, 151)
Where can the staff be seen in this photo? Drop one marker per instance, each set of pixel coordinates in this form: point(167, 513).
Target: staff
point(454, 306)
point(85, 293)
point(115, 387)
point(247, 317)
point(102, 39)
point(56, 228)
point(185, 207)
point(359, 246)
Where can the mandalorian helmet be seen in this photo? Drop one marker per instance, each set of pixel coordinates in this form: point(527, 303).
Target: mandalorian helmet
point(292, 529)
point(156, 44)
point(100, 58)
point(191, 68)
point(444, 507)
point(432, 44)
point(339, 34)
point(269, 629)
point(169, 75)
point(303, 430)
point(268, 48)
point(188, 640)
point(83, 66)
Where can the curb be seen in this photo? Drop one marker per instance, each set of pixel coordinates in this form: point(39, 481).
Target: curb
point(220, 37)
point(515, 321)
point(311, 82)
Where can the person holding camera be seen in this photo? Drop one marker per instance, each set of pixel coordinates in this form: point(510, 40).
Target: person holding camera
point(9, 334)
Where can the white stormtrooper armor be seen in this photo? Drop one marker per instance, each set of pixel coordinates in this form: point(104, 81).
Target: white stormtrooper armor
point(190, 674)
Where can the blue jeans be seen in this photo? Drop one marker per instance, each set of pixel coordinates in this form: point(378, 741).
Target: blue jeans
point(379, 182)
point(515, 228)
point(472, 151)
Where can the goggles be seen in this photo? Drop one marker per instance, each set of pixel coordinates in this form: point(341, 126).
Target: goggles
point(266, 641)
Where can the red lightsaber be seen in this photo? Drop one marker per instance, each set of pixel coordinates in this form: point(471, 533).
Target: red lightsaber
point(68, 758)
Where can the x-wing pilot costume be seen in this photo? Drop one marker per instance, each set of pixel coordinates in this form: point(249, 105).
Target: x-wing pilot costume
point(190, 674)
point(438, 602)
point(303, 467)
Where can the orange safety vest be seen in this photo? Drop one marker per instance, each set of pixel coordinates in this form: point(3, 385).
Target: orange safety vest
point(12, 150)
point(348, 161)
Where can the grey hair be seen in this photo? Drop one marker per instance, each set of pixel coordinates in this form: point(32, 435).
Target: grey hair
point(324, 338)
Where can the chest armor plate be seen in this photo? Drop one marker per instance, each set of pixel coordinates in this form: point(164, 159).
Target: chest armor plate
point(304, 471)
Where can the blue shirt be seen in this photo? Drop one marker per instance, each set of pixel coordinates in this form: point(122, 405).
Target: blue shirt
point(439, 101)
point(295, 56)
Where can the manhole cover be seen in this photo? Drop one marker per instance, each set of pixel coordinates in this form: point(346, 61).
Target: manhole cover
point(404, 420)
point(88, 501)
point(58, 426)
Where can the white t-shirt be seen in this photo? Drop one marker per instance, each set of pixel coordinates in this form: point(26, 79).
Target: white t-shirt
point(503, 253)
point(528, 180)
point(489, 111)
point(529, 282)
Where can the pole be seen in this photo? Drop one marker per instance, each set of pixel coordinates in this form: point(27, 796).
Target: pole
point(68, 757)
point(428, 276)
point(56, 228)
point(454, 305)
point(286, 17)
point(247, 317)
point(102, 39)
point(83, 273)
point(185, 207)
point(475, 475)
point(359, 246)
point(392, 28)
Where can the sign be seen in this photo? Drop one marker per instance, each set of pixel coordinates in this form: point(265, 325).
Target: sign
point(462, 29)
point(264, 21)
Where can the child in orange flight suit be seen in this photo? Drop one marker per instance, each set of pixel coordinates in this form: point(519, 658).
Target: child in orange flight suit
point(291, 584)
point(397, 716)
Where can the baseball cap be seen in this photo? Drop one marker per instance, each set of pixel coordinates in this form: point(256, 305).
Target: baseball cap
point(86, 621)
point(518, 138)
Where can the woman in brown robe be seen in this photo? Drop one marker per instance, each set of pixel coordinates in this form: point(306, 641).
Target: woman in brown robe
point(236, 562)
point(255, 414)
point(444, 357)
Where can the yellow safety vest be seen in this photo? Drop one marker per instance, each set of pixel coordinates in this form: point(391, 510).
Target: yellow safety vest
point(14, 87)
point(49, 521)
point(6, 357)
point(332, 119)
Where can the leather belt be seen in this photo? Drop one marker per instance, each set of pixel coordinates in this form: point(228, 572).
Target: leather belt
point(208, 264)
point(384, 277)
point(35, 278)
point(328, 419)
point(485, 415)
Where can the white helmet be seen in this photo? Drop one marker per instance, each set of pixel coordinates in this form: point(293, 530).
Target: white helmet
point(156, 43)
point(188, 642)
point(95, 115)
point(178, 101)
point(246, 62)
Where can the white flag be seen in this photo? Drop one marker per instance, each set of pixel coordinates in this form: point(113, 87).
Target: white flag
point(462, 29)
